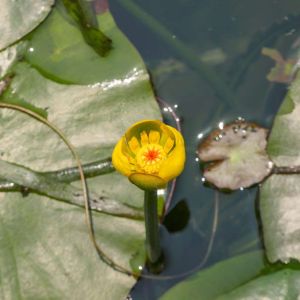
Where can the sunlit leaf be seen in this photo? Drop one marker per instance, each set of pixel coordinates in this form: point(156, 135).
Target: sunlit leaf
point(279, 195)
point(18, 18)
point(9, 56)
point(45, 252)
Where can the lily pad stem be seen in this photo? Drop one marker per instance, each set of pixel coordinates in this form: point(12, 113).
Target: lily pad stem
point(153, 248)
point(286, 170)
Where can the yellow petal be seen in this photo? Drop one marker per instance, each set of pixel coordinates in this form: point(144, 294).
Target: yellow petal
point(144, 138)
point(144, 125)
point(134, 144)
point(168, 145)
point(147, 182)
point(171, 141)
point(154, 137)
point(174, 163)
point(119, 160)
point(147, 123)
point(166, 133)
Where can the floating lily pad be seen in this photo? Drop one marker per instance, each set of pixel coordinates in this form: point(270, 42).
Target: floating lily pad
point(236, 155)
point(45, 250)
point(61, 54)
point(283, 285)
point(18, 18)
point(280, 194)
point(218, 279)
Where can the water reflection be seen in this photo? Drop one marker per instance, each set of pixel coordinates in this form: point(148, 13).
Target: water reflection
point(203, 26)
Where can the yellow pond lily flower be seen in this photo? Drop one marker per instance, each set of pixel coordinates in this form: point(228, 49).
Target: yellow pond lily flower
point(150, 154)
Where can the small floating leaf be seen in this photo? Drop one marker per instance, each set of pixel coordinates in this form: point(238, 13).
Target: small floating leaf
point(236, 154)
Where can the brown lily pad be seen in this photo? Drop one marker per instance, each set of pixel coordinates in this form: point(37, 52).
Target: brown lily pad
point(235, 155)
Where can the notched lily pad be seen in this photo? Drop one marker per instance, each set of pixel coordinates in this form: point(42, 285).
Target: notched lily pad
point(236, 155)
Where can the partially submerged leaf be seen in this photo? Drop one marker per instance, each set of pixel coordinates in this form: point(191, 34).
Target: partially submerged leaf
point(236, 155)
point(84, 15)
point(221, 278)
point(280, 194)
point(62, 54)
point(18, 18)
point(281, 285)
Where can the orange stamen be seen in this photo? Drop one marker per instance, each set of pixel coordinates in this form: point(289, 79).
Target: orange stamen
point(151, 155)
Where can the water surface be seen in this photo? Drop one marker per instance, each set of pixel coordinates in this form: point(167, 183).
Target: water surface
point(214, 72)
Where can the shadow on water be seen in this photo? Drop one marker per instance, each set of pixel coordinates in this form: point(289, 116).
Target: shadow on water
point(205, 60)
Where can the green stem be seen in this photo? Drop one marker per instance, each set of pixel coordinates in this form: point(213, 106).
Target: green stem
point(25, 180)
point(96, 168)
point(187, 54)
point(88, 13)
point(82, 12)
point(153, 248)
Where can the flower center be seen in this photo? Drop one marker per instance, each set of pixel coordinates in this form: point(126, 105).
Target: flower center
point(151, 155)
point(149, 158)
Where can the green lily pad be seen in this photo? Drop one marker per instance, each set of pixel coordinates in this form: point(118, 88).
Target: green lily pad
point(236, 154)
point(45, 252)
point(223, 277)
point(279, 195)
point(18, 18)
point(283, 285)
point(61, 55)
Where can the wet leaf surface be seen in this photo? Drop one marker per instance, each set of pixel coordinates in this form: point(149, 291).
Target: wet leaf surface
point(45, 252)
point(18, 18)
point(236, 155)
point(279, 195)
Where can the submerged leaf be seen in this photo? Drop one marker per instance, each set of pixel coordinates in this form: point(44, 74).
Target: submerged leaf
point(84, 15)
point(62, 54)
point(284, 70)
point(236, 155)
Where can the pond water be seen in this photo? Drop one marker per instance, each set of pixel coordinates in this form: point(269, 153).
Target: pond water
point(205, 60)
